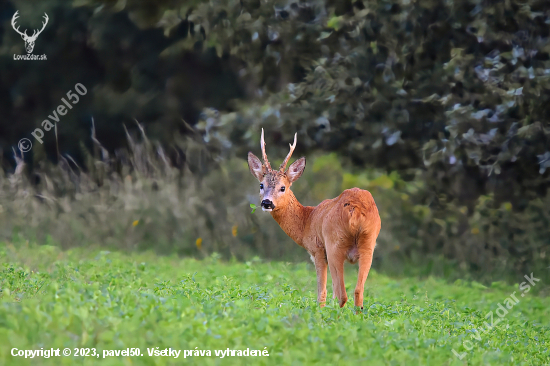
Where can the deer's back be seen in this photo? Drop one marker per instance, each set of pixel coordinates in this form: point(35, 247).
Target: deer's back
point(350, 214)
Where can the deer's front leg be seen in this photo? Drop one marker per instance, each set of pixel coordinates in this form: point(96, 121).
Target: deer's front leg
point(321, 268)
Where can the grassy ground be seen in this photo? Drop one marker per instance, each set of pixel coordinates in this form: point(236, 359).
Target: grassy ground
point(101, 301)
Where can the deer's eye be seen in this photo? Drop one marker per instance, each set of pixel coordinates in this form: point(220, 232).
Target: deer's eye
point(261, 186)
point(282, 188)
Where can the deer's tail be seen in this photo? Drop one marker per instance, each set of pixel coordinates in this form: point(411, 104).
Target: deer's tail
point(362, 216)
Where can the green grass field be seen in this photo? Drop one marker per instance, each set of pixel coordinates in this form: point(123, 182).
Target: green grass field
point(97, 301)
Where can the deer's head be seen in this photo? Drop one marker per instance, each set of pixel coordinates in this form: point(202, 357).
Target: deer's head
point(275, 184)
point(29, 40)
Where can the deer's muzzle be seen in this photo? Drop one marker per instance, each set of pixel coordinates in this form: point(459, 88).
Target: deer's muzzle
point(267, 205)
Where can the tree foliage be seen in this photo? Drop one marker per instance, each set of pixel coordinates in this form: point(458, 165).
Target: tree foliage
point(457, 89)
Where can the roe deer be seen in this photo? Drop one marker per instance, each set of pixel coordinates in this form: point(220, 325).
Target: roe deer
point(338, 229)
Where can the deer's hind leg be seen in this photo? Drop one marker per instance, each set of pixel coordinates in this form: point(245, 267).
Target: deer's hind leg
point(336, 257)
point(365, 246)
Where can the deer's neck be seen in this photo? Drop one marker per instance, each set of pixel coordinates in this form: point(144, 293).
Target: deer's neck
point(292, 218)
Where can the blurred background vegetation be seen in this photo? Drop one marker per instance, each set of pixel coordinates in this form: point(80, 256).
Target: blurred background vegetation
point(440, 108)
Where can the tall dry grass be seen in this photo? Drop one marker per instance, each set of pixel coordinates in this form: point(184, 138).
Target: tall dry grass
point(140, 198)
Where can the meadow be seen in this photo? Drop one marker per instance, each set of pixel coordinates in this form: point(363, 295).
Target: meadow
point(96, 301)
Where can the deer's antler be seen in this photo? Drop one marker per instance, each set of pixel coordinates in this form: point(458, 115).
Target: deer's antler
point(15, 16)
point(292, 147)
point(35, 32)
point(43, 24)
point(264, 155)
point(24, 34)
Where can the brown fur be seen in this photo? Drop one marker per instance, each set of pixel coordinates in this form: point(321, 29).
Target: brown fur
point(338, 229)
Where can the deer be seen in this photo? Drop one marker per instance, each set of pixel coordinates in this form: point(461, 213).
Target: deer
point(337, 230)
point(29, 40)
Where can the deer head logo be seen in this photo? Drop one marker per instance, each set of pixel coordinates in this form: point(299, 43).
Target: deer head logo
point(29, 40)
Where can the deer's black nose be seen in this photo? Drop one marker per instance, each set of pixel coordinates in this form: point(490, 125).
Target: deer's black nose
point(268, 204)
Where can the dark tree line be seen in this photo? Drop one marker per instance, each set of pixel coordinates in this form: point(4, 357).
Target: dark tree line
point(459, 91)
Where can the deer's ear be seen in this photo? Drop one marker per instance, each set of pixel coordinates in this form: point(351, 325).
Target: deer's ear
point(296, 169)
point(256, 167)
